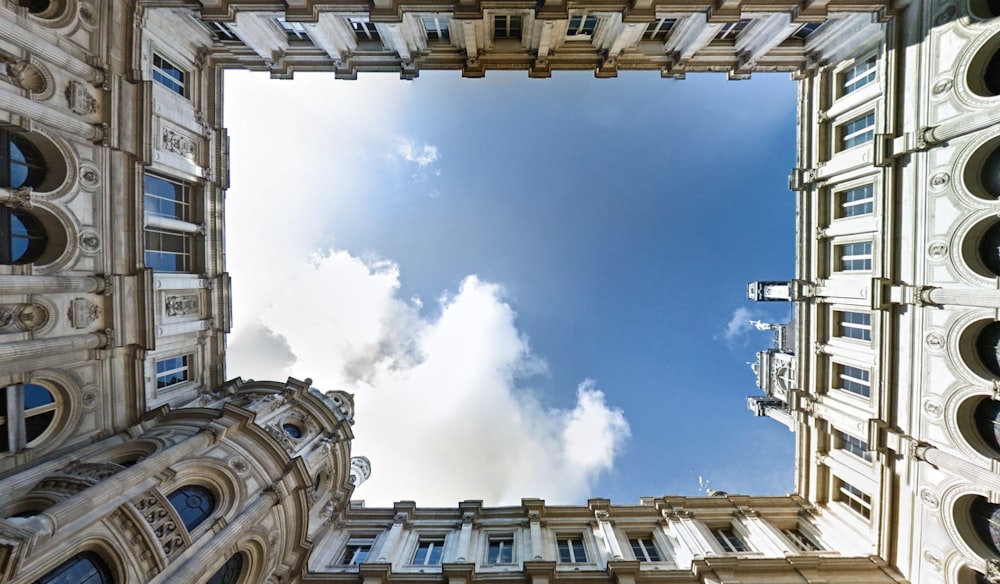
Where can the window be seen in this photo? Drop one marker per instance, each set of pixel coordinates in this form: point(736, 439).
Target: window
point(854, 257)
point(500, 550)
point(21, 164)
point(230, 572)
point(85, 567)
point(169, 75)
point(293, 430)
point(730, 542)
point(356, 550)
point(854, 498)
point(571, 550)
point(507, 26)
point(220, 30)
point(855, 202)
point(22, 237)
point(429, 550)
point(166, 198)
point(26, 412)
point(858, 131)
point(731, 30)
point(294, 31)
point(858, 75)
point(437, 28)
point(800, 541)
point(167, 251)
point(581, 27)
point(193, 503)
point(172, 371)
point(855, 325)
point(803, 32)
point(853, 379)
point(364, 30)
point(660, 29)
point(855, 446)
point(644, 550)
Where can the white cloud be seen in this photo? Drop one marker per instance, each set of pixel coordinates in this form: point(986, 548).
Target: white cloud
point(442, 411)
point(422, 156)
point(741, 323)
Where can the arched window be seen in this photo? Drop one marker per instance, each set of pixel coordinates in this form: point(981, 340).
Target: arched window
point(83, 568)
point(988, 347)
point(21, 164)
point(26, 412)
point(292, 430)
point(193, 503)
point(230, 572)
point(22, 237)
point(987, 418)
point(985, 518)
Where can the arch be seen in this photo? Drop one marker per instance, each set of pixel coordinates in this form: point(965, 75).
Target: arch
point(988, 347)
point(39, 407)
point(984, 9)
point(230, 572)
point(22, 237)
point(981, 172)
point(983, 73)
point(30, 159)
point(193, 503)
point(86, 566)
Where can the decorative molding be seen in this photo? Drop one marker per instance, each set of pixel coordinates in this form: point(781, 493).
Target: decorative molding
point(79, 98)
point(182, 304)
point(83, 313)
point(179, 143)
point(90, 241)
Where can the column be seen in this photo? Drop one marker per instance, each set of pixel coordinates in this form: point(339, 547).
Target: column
point(959, 466)
point(25, 37)
point(535, 526)
point(52, 284)
point(765, 537)
point(963, 124)
point(38, 112)
point(217, 548)
point(464, 537)
point(692, 541)
point(610, 541)
point(385, 553)
point(961, 297)
point(21, 350)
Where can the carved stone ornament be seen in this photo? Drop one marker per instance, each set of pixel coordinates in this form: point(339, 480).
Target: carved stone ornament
point(80, 100)
point(22, 317)
point(929, 498)
point(940, 179)
point(89, 177)
point(90, 241)
point(89, 398)
point(153, 510)
point(935, 341)
point(23, 74)
point(83, 313)
point(178, 143)
point(182, 304)
point(239, 465)
point(933, 560)
point(942, 86)
point(933, 408)
point(20, 198)
point(993, 571)
point(88, 17)
point(937, 250)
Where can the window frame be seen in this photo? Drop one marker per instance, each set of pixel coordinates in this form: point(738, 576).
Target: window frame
point(800, 540)
point(161, 75)
point(435, 542)
point(842, 372)
point(848, 138)
point(500, 538)
point(365, 31)
point(440, 32)
point(571, 539)
point(659, 29)
point(188, 367)
point(183, 201)
point(855, 499)
point(848, 259)
point(853, 325)
point(581, 32)
point(17, 411)
point(645, 543)
point(849, 76)
point(186, 255)
point(508, 19)
point(726, 535)
point(294, 32)
point(845, 208)
point(853, 445)
point(353, 545)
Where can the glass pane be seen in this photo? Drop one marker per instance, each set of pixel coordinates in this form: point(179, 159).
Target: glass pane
point(193, 503)
point(230, 572)
point(564, 555)
point(435, 557)
point(36, 425)
point(36, 395)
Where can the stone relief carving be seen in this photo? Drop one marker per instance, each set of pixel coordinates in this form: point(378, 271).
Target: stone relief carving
point(178, 143)
point(80, 100)
point(83, 313)
point(182, 304)
point(929, 498)
point(162, 522)
point(940, 179)
point(942, 86)
point(15, 318)
point(937, 250)
point(22, 74)
point(89, 177)
point(90, 241)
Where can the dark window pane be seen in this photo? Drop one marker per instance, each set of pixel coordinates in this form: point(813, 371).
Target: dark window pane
point(36, 395)
point(230, 572)
point(193, 503)
point(83, 568)
point(36, 425)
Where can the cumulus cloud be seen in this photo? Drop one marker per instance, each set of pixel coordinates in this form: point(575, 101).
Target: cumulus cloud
point(740, 324)
point(421, 155)
point(444, 406)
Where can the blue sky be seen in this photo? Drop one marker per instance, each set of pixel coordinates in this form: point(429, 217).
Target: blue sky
point(535, 288)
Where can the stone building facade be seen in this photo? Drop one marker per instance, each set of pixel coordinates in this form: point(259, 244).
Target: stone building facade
point(126, 456)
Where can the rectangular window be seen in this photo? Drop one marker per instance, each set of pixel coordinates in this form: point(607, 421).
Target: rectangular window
point(168, 75)
point(437, 28)
point(855, 325)
point(800, 541)
point(507, 26)
point(581, 27)
point(854, 498)
point(172, 371)
point(500, 550)
point(853, 379)
point(857, 75)
point(729, 541)
point(803, 32)
point(571, 550)
point(166, 198)
point(167, 251)
point(856, 202)
point(220, 30)
point(855, 446)
point(429, 550)
point(660, 29)
point(364, 30)
point(294, 31)
point(356, 551)
point(854, 257)
point(857, 131)
point(644, 550)
point(731, 30)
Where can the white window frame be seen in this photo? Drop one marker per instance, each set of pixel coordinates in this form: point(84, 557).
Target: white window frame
point(725, 536)
point(848, 139)
point(853, 498)
point(505, 541)
point(854, 446)
point(800, 540)
point(854, 256)
point(364, 30)
point(436, 25)
point(18, 412)
point(645, 543)
point(508, 19)
point(659, 29)
point(862, 69)
point(431, 542)
point(843, 372)
point(183, 203)
point(854, 325)
point(855, 201)
point(580, 34)
point(353, 546)
point(570, 539)
point(187, 368)
point(165, 79)
point(187, 254)
point(293, 31)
